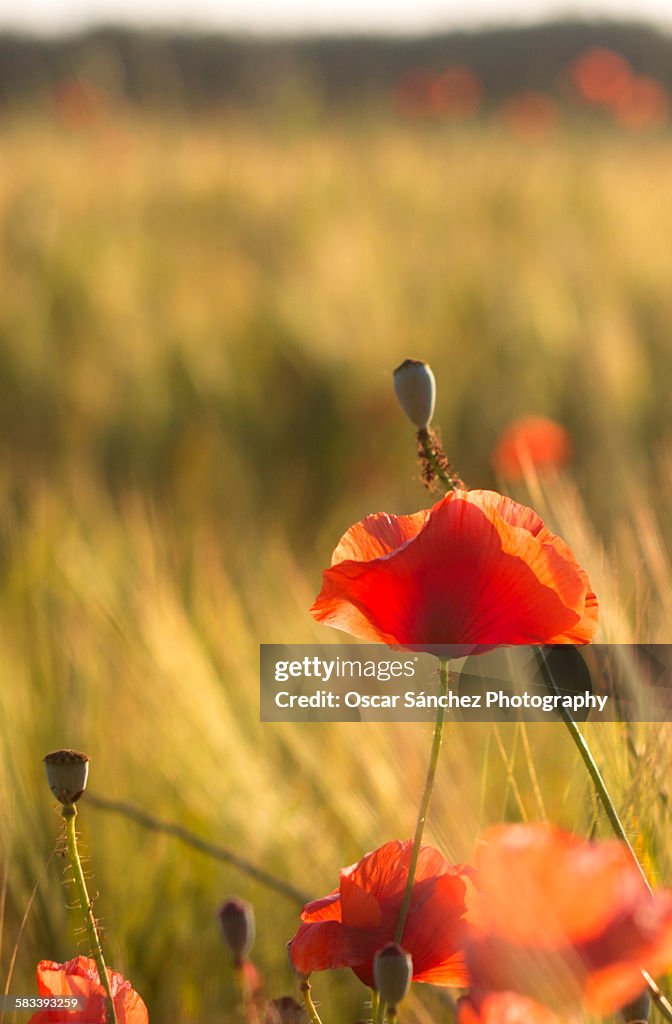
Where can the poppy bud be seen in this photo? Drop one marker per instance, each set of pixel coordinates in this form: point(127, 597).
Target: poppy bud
point(236, 918)
point(284, 1011)
point(415, 387)
point(67, 772)
point(392, 972)
point(637, 1012)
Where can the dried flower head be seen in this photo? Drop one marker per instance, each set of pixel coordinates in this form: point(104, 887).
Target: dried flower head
point(67, 773)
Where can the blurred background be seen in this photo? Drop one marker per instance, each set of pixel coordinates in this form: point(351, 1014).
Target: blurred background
point(221, 228)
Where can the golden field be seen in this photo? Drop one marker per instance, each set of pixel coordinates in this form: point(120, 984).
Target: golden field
point(198, 324)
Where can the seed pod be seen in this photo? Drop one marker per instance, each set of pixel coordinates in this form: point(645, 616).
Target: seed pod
point(392, 972)
point(67, 772)
point(415, 387)
point(236, 919)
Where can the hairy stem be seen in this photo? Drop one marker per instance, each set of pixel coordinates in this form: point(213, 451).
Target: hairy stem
point(69, 816)
point(311, 1009)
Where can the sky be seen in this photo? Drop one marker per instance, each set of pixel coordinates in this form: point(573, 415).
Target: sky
point(314, 15)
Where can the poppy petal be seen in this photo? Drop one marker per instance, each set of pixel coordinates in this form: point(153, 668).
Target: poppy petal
point(378, 535)
point(327, 945)
point(436, 932)
point(326, 909)
point(360, 909)
point(382, 872)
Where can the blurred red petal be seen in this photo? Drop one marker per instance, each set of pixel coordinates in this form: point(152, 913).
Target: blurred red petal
point(564, 920)
point(534, 882)
point(503, 1008)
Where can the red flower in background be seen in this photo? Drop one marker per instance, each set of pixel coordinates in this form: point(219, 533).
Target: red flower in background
point(645, 104)
point(79, 977)
point(531, 441)
point(78, 104)
point(453, 94)
point(600, 76)
point(456, 93)
point(477, 568)
point(347, 927)
point(503, 1008)
point(562, 921)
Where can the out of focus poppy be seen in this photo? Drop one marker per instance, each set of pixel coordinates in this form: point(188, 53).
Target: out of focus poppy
point(644, 104)
point(79, 977)
point(350, 925)
point(477, 568)
point(600, 76)
point(531, 441)
point(531, 114)
point(78, 104)
point(456, 93)
point(563, 921)
point(502, 1008)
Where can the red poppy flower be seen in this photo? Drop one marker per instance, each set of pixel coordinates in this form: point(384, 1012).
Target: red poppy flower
point(531, 441)
point(477, 568)
point(645, 104)
point(79, 977)
point(600, 76)
point(347, 927)
point(564, 921)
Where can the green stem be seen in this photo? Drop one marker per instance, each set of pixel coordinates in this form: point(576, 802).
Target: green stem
point(69, 815)
point(309, 1004)
point(424, 807)
point(375, 1002)
point(591, 766)
point(600, 785)
point(380, 1015)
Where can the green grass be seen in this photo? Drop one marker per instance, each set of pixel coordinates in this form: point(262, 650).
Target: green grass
point(198, 325)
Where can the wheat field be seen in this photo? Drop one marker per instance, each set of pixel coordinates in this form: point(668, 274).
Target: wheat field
point(198, 324)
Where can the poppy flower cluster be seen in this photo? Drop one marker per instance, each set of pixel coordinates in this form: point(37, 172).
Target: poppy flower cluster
point(604, 79)
point(544, 922)
point(476, 569)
